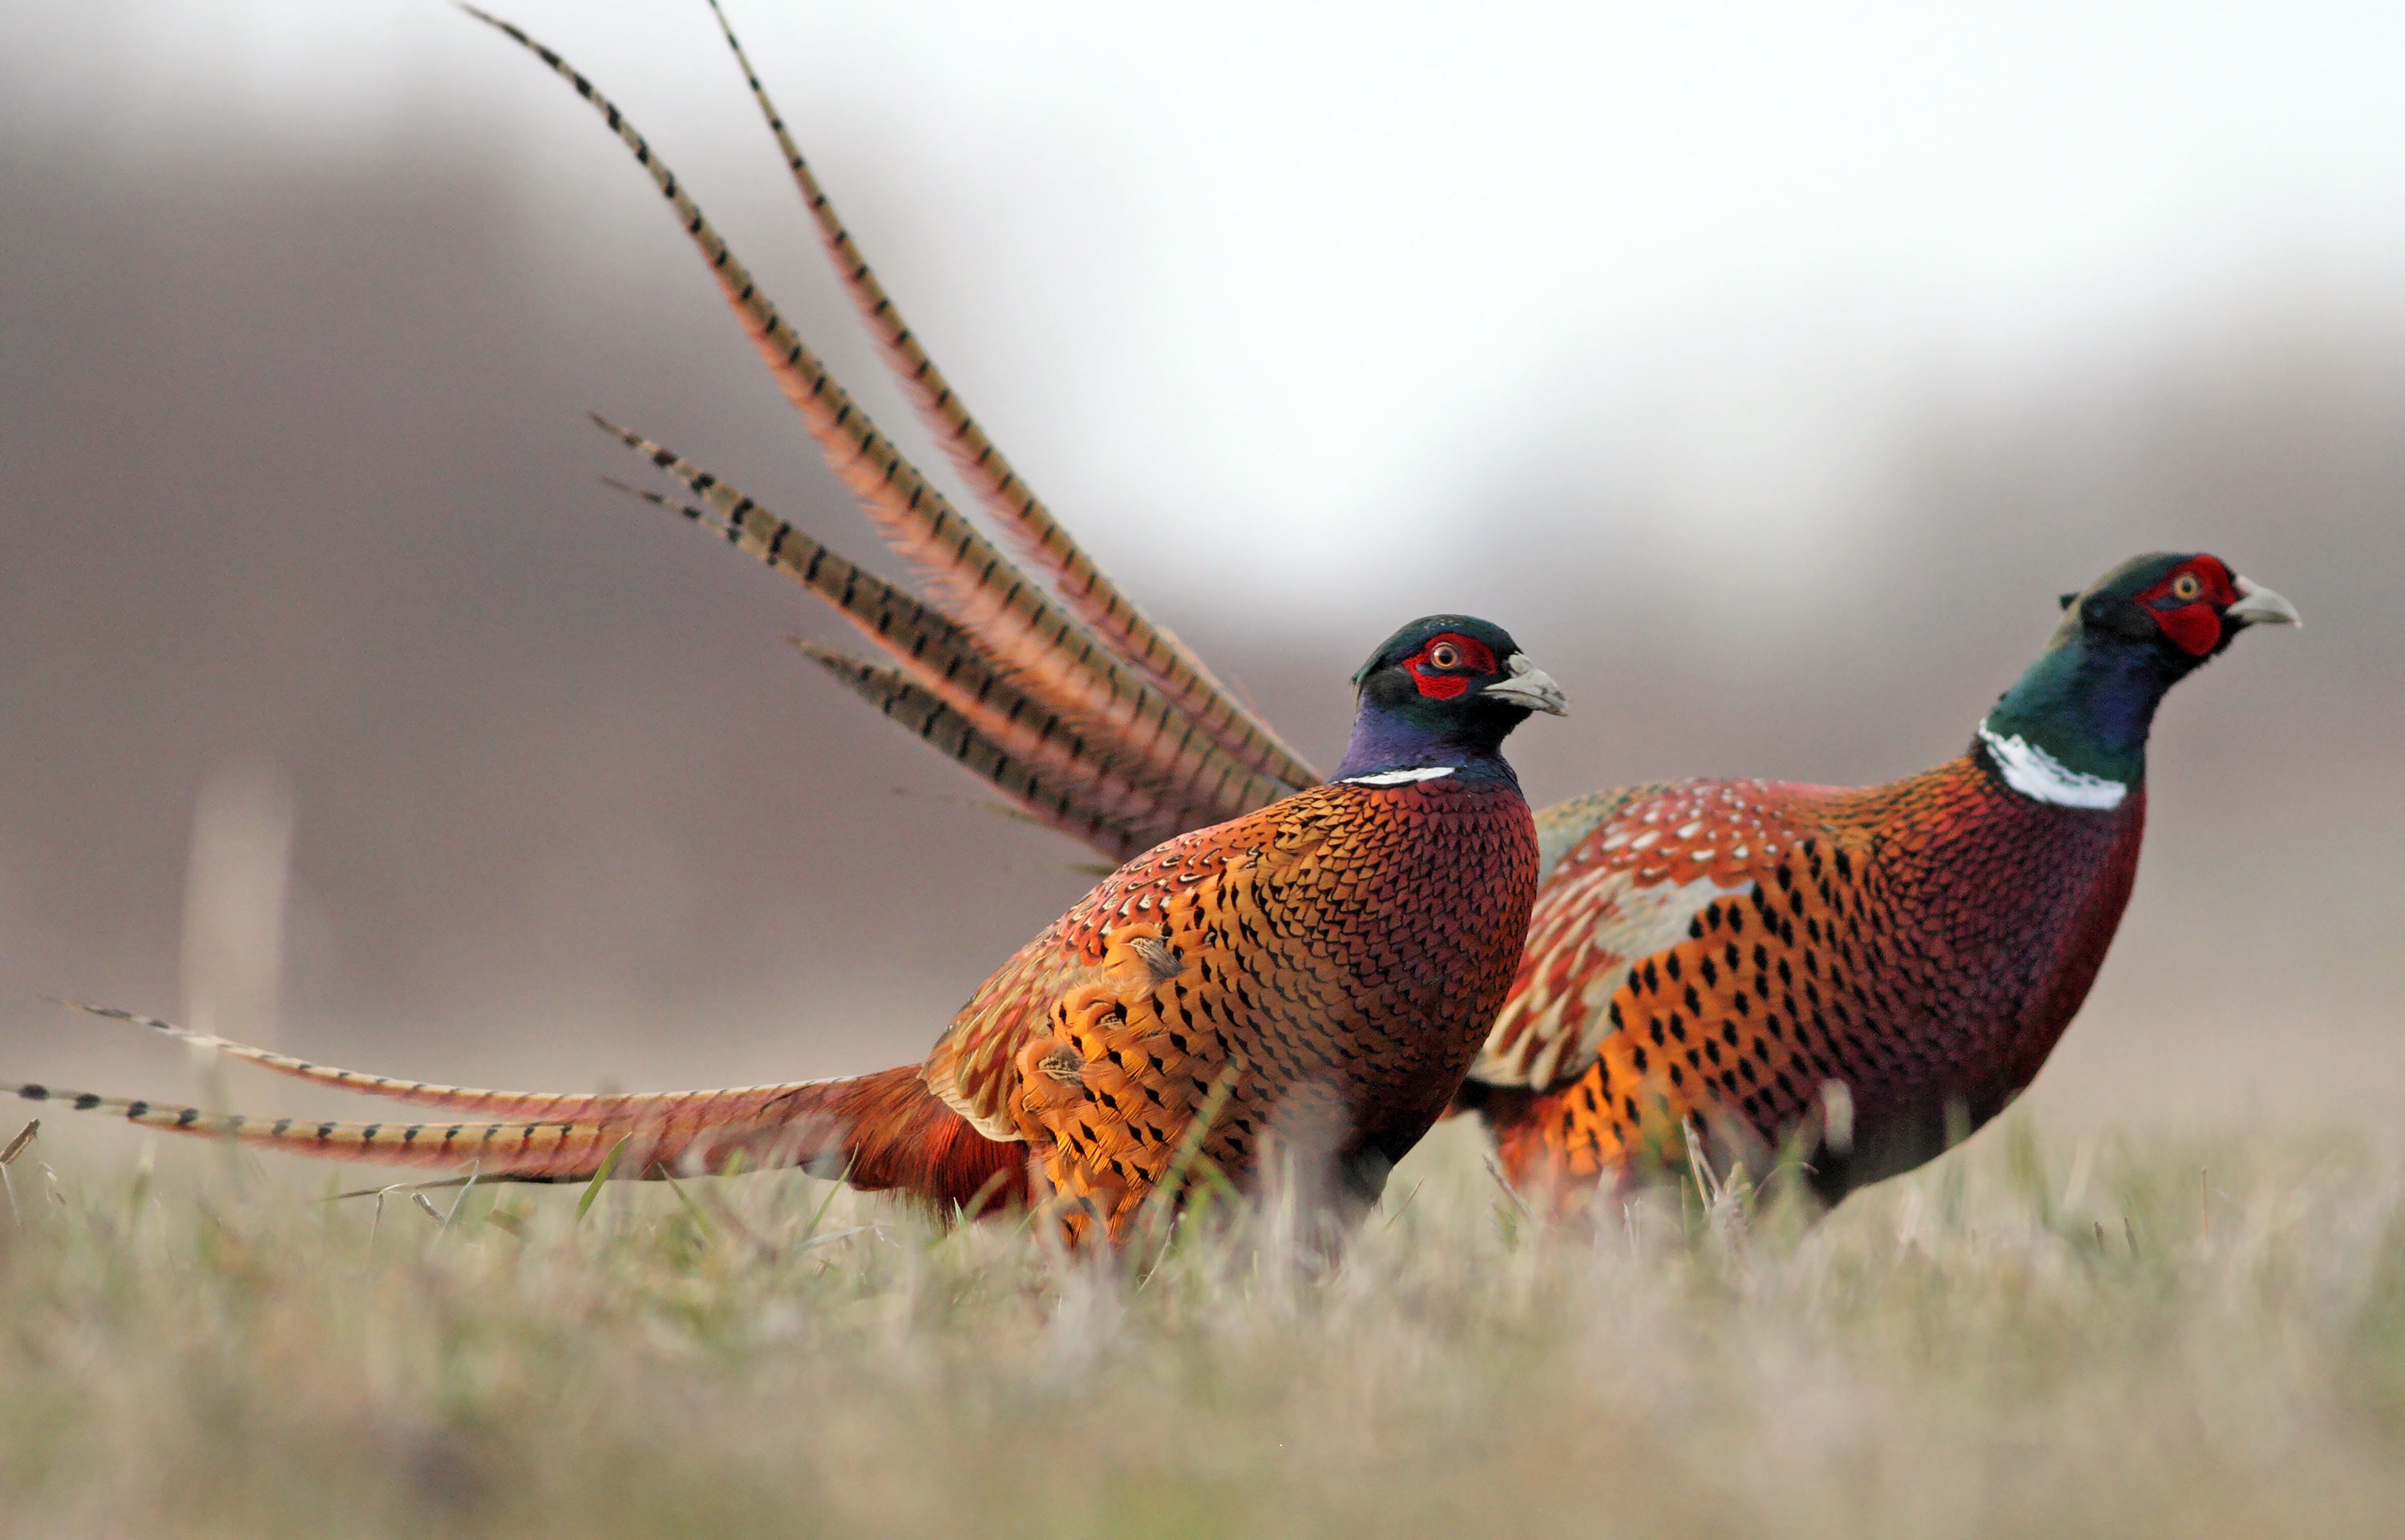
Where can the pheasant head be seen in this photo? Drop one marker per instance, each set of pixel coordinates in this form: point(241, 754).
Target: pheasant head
point(1443, 694)
point(2072, 729)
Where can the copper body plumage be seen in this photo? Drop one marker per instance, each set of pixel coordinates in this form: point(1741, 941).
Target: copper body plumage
point(1334, 962)
point(1921, 943)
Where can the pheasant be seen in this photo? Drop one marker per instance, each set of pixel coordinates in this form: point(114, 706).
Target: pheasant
point(1314, 976)
point(1904, 958)
point(1872, 971)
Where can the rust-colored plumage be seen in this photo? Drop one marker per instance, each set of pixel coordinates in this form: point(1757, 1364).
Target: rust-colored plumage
point(1903, 956)
point(883, 1131)
point(1737, 966)
point(1721, 953)
point(1873, 972)
point(1312, 980)
point(1868, 971)
point(1317, 965)
point(1308, 969)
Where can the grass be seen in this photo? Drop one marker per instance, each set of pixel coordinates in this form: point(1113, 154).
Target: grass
point(2014, 1341)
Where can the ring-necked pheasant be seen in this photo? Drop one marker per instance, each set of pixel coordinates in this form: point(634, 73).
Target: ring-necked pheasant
point(1876, 969)
point(1972, 903)
point(1318, 973)
point(1872, 968)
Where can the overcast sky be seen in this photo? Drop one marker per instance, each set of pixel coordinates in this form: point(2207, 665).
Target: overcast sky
point(1299, 266)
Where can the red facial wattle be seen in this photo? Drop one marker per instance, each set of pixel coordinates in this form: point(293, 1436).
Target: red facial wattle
point(1448, 665)
point(2192, 623)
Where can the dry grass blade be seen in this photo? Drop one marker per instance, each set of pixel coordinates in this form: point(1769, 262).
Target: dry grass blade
point(835, 1190)
point(433, 1185)
point(15, 1148)
point(1504, 1185)
point(467, 1185)
point(834, 1236)
point(1160, 1209)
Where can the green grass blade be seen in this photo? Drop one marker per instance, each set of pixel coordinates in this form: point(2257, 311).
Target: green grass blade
point(592, 1188)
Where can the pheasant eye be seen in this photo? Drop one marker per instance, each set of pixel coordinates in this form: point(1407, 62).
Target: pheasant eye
point(1444, 654)
point(2186, 587)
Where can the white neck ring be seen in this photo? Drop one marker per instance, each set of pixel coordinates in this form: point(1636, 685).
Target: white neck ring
point(1400, 777)
point(2035, 773)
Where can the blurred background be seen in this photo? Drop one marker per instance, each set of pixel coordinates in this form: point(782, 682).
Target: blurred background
point(1769, 373)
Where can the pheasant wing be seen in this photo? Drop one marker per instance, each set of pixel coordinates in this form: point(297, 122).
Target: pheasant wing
point(1628, 874)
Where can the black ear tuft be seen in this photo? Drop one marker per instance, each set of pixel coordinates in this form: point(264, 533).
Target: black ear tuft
point(2069, 600)
point(2123, 618)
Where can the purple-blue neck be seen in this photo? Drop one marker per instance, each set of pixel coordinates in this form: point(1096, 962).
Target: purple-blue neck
point(1405, 738)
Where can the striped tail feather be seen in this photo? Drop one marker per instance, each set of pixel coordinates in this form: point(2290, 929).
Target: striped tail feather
point(531, 1151)
point(1055, 805)
point(944, 659)
point(1051, 655)
point(886, 1131)
point(1084, 588)
point(656, 1109)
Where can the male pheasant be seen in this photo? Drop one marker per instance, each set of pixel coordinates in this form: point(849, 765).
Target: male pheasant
point(1314, 975)
point(1876, 970)
point(1903, 956)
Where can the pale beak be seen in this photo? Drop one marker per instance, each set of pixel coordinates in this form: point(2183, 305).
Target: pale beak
point(1531, 687)
point(2259, 606)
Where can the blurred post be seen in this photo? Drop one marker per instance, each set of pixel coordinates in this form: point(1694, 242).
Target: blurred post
point(234, 892)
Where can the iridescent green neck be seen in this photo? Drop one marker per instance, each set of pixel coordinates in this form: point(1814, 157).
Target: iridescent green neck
point(2086, 706)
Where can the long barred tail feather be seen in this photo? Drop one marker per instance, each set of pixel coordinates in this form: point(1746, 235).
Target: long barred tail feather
point(531, 1152)
point(1084, 588)
point(654, 1108)
point(1053, 804)
point(1049, 650)
point(885, 1131)
point(947, 662)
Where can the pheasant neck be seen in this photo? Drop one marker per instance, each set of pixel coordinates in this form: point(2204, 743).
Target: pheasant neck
point(2072, 729)
point(1387, 740)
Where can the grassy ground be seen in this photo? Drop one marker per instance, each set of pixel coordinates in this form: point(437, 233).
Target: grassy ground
point(2016, 1341)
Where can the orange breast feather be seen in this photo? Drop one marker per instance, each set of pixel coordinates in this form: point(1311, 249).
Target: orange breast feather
point(1321, 969)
